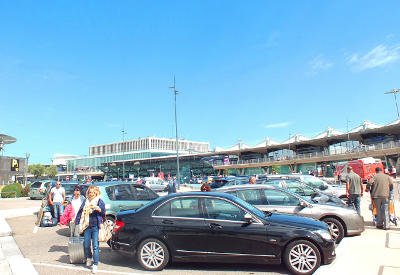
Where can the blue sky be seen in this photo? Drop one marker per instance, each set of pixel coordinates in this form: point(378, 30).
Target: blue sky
point(75, 73)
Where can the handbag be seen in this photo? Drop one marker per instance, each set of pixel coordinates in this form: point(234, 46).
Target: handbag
point(105, 231)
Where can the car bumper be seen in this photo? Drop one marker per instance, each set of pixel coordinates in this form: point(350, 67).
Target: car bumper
point(355, 226)
point(328, 252)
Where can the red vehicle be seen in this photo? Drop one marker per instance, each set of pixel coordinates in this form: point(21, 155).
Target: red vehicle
point(364, 167)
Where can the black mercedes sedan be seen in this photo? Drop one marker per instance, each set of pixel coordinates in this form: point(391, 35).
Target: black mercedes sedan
point(218, 227)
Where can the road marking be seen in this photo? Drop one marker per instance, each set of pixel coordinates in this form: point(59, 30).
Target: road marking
point(86, 269)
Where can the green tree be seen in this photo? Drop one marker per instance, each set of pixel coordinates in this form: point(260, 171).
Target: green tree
point(51, 171)
point(36, 169)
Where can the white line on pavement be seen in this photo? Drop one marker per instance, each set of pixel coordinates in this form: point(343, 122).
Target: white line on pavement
point(86, 269)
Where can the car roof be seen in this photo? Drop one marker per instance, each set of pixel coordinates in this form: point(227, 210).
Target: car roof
point(247, 186)
point(109, 183)
point(199, 193)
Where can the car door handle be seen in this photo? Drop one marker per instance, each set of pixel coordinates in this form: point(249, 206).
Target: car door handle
point(215, 226)
point(167, 222)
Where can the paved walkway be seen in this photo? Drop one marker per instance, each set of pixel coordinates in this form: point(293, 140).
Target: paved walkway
point(12, 262)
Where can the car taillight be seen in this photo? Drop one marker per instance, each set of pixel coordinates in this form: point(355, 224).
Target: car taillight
point(118, 226)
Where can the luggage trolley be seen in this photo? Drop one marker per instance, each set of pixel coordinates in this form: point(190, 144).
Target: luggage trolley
point(392, 212)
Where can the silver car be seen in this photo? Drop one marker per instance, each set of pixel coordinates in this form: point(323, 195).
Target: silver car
point(329, 189)
point(37, 189)
point(343, 221)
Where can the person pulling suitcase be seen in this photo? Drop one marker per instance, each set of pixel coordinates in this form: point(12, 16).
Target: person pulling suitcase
point(89, 217)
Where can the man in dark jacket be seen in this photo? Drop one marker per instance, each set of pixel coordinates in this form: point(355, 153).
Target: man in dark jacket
point(380, 186)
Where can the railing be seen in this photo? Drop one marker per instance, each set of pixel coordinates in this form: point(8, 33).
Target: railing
point(374, 147)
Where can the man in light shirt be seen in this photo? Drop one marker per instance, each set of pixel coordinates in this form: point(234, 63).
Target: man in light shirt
point(76, 203)
point(56, 200)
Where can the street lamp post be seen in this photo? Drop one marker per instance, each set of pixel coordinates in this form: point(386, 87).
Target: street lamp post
point(348, 135)
point(27, 155)
point(178, 178)
point(123, 153)
point(394, 92)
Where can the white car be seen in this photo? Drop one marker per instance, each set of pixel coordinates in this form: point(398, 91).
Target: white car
point(155, 183)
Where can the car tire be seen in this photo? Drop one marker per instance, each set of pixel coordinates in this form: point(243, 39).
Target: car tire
point(336, 228)
point(302, 257)
point(153, 254)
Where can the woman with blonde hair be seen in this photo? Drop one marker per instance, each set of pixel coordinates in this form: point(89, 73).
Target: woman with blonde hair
point(90, 215)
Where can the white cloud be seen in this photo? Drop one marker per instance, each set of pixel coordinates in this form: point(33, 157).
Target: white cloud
point(319, 64)
point(379, 56)
point(278, 125)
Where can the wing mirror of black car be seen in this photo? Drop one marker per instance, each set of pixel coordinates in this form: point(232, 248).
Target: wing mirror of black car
point(248, 218)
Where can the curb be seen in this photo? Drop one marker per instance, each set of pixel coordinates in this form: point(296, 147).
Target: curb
point(5, 229)
point(11, 259)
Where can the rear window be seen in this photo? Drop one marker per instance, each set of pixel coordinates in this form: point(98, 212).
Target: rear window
point(36, 184)
point(129, 192)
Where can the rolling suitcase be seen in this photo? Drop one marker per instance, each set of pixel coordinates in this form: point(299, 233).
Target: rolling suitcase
point(75, 250)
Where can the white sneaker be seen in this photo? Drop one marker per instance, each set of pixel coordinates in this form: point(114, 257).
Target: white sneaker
point(89, 262)
point(94, 268)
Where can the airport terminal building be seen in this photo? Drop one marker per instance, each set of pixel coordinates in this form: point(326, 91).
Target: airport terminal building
point(151, 155)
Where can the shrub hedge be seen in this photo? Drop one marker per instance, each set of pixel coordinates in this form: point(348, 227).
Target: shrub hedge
point(11, 191)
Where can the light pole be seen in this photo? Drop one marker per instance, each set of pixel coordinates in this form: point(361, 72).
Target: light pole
point(27, 155)
point(123, 152)
point(348, 135)
point(394, 92)
point(178, 177)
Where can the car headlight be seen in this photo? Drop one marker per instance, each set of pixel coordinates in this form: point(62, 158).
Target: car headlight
point(324, 234)
point(107, 206)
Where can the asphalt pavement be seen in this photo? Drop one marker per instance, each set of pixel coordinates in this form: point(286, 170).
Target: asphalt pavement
point(375, 251)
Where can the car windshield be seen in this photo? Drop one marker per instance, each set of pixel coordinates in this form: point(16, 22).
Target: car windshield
point(297, 196)
point(316, 182)
point(250, 207)
point(69, 188)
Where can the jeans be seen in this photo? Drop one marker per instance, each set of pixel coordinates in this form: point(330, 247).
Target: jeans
point(382, 208)
point(58, 210)
point(354, 200)
point(91, 234)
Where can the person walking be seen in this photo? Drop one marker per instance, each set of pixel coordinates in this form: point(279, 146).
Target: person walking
point(380, 186)
point(354, 189)
point(171, 187)
point(252, 180)
point(56, 200)
point(90, 216)
point(205, 187)
point(76, 203)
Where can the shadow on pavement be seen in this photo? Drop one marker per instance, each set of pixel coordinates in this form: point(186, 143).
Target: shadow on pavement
point(63, 231)
point(58, 248)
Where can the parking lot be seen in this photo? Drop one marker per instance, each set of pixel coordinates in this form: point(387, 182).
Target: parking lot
point(374, 252)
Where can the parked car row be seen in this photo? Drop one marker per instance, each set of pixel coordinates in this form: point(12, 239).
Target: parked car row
point(285, 221)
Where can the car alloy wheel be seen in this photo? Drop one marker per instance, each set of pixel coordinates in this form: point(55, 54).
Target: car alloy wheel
point(336, 228)
point(302, 257)
point(153, 254)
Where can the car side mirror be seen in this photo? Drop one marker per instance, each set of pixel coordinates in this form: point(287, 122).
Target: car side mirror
point(303, 204)
point(323, 187)
point(248, 218)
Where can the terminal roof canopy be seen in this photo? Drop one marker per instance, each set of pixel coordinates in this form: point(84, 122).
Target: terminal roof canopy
point(267, 142)
point(366, 125)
